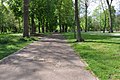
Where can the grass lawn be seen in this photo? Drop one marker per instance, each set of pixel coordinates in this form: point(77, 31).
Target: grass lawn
point(101, 52)
point(10, 43)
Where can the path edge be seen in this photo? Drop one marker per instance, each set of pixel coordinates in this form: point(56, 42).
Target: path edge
point(16, 51)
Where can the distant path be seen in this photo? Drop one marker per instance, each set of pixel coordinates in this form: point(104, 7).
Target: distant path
point(51, 58)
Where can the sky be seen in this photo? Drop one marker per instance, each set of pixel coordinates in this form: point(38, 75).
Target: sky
point(115, 3)
point(93, 5)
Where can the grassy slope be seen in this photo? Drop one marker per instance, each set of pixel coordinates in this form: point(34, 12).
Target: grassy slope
point(101, 52)
point(10, 43)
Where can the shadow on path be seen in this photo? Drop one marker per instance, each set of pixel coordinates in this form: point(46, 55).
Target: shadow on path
point(51, 58)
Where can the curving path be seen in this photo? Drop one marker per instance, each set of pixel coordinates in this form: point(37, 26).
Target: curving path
point(51, 58)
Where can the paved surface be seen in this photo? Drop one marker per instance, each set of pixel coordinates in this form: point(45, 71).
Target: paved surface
point(51, 58)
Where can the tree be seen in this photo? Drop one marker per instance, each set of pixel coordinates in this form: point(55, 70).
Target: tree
point(26, 19)
point(44, 14)
point(16, 8)
point(86, 16)
point(1, 11)
point(78, 36)
point(109, 3)
point(105, 16)
point(7, 18)
point(65, 14)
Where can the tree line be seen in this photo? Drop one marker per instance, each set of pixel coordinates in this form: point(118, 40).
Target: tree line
point(38, 16)
point(104, 17)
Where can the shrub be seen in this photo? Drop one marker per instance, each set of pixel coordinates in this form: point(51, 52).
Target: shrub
point(5, 40)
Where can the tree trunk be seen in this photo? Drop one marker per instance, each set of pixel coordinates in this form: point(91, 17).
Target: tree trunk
point(110, 15)
point(60, 28)
point(105, 17)
point(60, 22)
point(63, 28)
point(104, 23)
point(111, 21)
point(108, 24)
point(86, 11)
point(78, 36)
point(66, 28)
point(2, 29)
point(19, 24)
point(33, 29)
point(26, 19)
point(39, 26)
point(74, 31)
point(43, 29)
point(47, 27)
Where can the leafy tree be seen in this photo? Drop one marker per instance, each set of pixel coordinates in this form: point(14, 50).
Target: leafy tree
point(86, 11)
point(105, 15)
point(16, 7)
point(78, 36)
point(109, 3)
point(7, 18)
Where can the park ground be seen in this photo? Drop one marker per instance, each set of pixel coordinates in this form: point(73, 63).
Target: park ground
point(50, 58)
point(100, 51)
point(10, 43)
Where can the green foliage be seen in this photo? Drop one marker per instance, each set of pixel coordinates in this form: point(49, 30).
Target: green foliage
point(16, 7)
point(117, 23)
point(7, 22)
point(25, 39)
point(99, 18)
point(46, 15)
point(101, 52)
point(49, 14)
point(5, 40)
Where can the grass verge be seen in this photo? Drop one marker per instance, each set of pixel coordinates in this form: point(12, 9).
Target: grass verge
point(10, 43)
point(101, 52)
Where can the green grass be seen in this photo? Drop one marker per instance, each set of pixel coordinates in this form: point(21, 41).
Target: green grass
point(101, 52)
point(10, 43)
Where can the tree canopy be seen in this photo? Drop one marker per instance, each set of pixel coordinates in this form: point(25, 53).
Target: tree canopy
point(50, 15)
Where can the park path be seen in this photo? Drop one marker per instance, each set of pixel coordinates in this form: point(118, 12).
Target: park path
point(50, 58)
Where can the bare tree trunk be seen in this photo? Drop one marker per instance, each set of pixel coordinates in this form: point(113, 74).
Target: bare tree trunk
point(26, 19)
point(78, 36)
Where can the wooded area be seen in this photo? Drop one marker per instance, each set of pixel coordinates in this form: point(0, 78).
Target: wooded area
point(49, 16)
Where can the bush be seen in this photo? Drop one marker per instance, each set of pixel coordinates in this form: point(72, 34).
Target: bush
point(5, 40)
point(28, 39)
point(9, 39)
point(23, 39)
